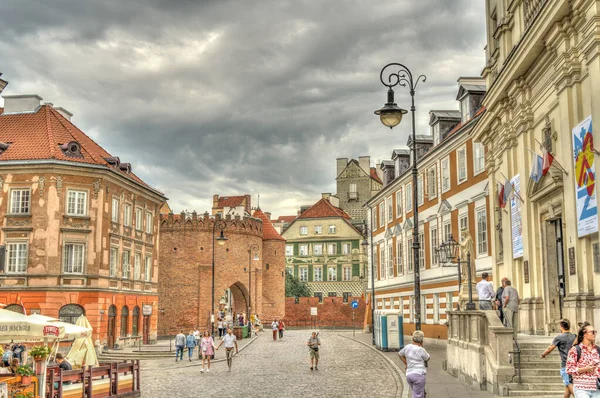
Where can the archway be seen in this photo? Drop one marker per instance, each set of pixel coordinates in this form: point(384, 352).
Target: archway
point(15, 308)
point(70, 312)
point(112, 335)
point(232, 302)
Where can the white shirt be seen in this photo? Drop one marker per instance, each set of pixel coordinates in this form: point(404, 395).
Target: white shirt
point(415, 359)
point(274, 325)
point(229, 340)
point(485, 290)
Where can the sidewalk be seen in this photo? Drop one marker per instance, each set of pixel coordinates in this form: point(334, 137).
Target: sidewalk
point(439, 383)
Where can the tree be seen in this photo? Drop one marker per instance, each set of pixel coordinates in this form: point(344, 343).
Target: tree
point(294, 287)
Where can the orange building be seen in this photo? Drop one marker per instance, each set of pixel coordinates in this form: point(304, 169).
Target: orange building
point(79, 229)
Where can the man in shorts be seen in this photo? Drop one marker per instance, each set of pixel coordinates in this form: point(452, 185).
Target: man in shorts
point(564, 342)
point(230, 342)
point(313, 344)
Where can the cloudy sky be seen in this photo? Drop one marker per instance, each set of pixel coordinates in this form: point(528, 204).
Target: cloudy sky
point(233, 96)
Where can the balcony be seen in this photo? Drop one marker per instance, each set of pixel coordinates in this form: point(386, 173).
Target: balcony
point(532, 9)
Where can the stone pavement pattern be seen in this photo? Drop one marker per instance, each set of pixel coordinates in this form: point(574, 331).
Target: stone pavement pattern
point(279, 369)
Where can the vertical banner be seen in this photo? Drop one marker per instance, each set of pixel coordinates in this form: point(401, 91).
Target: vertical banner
point(585, 178)
point(516, 217)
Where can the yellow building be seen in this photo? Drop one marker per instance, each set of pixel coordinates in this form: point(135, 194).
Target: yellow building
point(543, 79)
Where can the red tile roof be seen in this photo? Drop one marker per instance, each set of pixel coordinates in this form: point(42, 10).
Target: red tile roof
point(287, 219)
point(322, 209)
point(460, 125)
point(269, 232)
point(231, 201)
point(375, 176)
point(38, 136)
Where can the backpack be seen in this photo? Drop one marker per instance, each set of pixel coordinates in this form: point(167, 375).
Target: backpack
point(578, 350)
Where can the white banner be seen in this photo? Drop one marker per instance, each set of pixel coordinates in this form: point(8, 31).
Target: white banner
point(585, 178)
point(516, 217)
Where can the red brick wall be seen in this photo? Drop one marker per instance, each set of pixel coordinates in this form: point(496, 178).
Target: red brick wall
point(331, 312)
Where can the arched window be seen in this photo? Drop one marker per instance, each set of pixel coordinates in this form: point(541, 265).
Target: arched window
point(135, 321)
point(112, 311)
point(124, 320)
point(15, 308)
point(70, 312)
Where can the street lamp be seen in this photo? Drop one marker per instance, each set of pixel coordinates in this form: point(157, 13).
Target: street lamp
point(449, 253)
point(391, 116)
point(252, 248)
point(220, 224)
point(364, 244)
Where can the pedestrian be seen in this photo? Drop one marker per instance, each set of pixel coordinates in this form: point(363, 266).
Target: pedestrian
point(14, 365)
point(582, 363)
point(220, 327)
point(7, 355)
point(281, 328)
point(179, 345)
point(207, 346)
point(486, 293)
point(313, 344)
point(275, 327)
point(564, 342)
point(415, 358)
point(190, 344)
point(230, 342)
point(510, 306)
point(499, 300)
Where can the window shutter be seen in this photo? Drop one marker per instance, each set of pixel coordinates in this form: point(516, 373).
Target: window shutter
point(2, 257)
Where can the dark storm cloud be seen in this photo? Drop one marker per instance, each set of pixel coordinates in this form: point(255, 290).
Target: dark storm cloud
point(239, 96)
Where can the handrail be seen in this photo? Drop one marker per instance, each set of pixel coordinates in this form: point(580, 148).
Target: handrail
point(517, 352)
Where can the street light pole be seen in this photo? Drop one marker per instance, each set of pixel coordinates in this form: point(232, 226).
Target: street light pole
point(253, 247)
point(449, 253)
point(365, 244)
point(391, 115)
point(221, 224)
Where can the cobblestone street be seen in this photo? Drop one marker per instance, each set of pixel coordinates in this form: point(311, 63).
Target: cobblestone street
point(278, 369)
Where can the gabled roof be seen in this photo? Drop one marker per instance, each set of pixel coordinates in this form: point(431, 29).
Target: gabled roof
point(375, 176)
point(435, 116)
point(269, 232)
point(40, 134)
point(287, 219)
point(231, 201)
point(323, 209)
point(400, 152)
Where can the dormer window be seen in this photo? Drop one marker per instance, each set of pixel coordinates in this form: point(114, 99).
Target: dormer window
point(72, 149)
point(3, 147)
point(125, 167)
point(113, 161)
point(464, 109)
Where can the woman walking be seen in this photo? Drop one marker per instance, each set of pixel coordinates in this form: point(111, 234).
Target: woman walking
point(207, 346)
point(190, 343)
point(415, 358)
point(582, 363)
point(281, 328)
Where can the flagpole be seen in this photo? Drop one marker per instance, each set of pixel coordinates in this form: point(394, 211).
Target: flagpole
point(560, 167)
point(513, 189)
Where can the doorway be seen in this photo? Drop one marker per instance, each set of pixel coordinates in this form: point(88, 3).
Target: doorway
point(554, 273)
point(112, 316)
point(146, 330)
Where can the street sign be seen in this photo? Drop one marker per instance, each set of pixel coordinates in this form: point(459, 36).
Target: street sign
point(313, 311)
point(354, 304)
point(146, 309)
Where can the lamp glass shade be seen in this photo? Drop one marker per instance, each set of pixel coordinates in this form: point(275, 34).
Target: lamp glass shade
point(442, 254)
point(390, 114)
point(221, 239)
point(364, 243)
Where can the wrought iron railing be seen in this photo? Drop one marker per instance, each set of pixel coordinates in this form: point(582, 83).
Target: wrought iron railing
point(532, 9)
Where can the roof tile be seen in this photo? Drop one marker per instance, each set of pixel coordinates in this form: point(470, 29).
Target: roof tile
point(322, 209)
point(269, 231)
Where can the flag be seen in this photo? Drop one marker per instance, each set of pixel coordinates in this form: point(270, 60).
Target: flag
point(507, 191)
point(536, 168)
point(548, 159)
point(501, 201)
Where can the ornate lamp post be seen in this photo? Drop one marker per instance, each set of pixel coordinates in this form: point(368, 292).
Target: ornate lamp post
point(449, 253)
point(220, 224)
point(252, 248)
point(364, 244)
point(391, 115)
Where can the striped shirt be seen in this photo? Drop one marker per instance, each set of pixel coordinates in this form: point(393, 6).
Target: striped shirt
point(589, 357)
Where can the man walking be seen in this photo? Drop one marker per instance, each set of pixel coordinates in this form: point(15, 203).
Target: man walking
point(486, 293)
point(275, 327)
point(510, 306)
point(179, 345)
point(230, 342)
point(190, 343)
point(313, 344)
point(564, 342)
point(499, 300)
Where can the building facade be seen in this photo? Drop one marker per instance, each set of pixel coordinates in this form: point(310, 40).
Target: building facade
point(452, 197)
point(356, 183)
point(324, 249)
point(79, 229)
point(543, 75)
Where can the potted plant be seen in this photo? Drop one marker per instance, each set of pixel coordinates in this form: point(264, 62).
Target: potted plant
point(40, 352)
point(23, 395)
point(26, 372)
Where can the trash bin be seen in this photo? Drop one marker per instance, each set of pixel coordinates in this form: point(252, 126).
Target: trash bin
point(245, 332)
point(237, 332)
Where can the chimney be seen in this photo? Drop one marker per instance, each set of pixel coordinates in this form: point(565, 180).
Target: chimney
point(28, 103)
point(341, 165)
point(334, 200)
point(215, 201)
point(65, 113)
point(3, 83)
point(268, 215)
point(325, 195)
point(365, 163)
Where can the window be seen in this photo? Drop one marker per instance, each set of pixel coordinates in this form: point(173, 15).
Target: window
point(408, 191)
point(76, 203)
point(445, 175)
point(463, 221)
point(303, 249)
point(290, 270)
point(318, 274)
point(464, 109)
point(346, 248)
point(461, 156)
point(318, 229)
point(346, 296)
point(126, 264)
point(331, 248)
point(332, 229)
point(319, 295)
point(420, 190)
point(390, 209)
point(318, 249)
point(479, 161)
point(127, 215)
point(374, 219)
point(481, 231)
point(17, 257)
point(135, 321)
point(115, 210)
point(382, 265)
point(124, 321)
point(352, 193)
point(149, 223)
point(20, 201)
point(347, 273)
point(73, 259)
point(303, 230)
point(303, 274)
point(390, 259)
point(421, 250)
point(399, 203)
point(436, 308)
point(148, 269)
point(399, 258)
point(449, 299)
point(433, 237)
point(431, 183)
point(137, 265)
point(410, 255)
point(447, 231)
point(381, 214)
point(289, 250)
point(114, 256)
point(138, 218)
point(332, 274)
point(70, 313)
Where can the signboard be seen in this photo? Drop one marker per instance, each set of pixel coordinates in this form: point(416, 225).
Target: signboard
point(146, 309)
point(526, 271)
point(313, 311)
point(354, 304)
point(585, 178)
point(516, 217)
point(572, 268)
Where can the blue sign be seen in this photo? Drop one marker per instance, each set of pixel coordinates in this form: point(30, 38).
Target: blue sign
point(355, 304)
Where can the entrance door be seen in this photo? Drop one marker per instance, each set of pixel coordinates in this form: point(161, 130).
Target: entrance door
point(554, 271)
point(146, 332)
point(112, 316)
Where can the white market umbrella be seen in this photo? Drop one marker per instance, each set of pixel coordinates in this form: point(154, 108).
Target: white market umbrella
point(14, 326)
point(69, 331)
point(82, 351)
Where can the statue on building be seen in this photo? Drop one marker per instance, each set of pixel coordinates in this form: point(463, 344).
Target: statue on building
point(466, 247)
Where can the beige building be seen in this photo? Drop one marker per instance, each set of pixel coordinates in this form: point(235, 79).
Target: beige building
point(543, 78)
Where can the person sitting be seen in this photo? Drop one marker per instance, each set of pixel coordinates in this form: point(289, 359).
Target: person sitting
point(14, 364)
point(63, 364)
point(7, 355)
